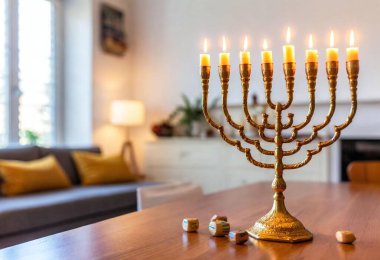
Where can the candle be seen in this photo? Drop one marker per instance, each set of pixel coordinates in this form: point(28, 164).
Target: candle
point(352, 52)
point(332, 53)
point(245, 56)
point(205, 57)
point(266, 56)
point(311, 54)
point(224, 57)
point(288, 49)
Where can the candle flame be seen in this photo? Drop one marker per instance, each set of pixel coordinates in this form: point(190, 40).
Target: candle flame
point(332, 39)
point(288, 35)
point(205, 46)
point(224, 44)
point(352, 39)
point(265, 45)
point(245, 43)
point(311, 41)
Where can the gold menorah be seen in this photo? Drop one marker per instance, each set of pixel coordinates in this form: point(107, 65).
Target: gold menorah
point(278, 224)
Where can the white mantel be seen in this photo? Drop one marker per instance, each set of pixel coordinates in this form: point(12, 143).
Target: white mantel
point(216, 165)
point(195, 158)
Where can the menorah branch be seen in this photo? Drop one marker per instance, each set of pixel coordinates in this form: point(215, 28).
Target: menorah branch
point(267, 72)
point(205, 77)
point(311, 69)
point(289, 72)
point(245, 75)
point(332, 69)
point(256, 143)
point(224, 74)
point(266, 138)
point(272, 126)
point(352, 68)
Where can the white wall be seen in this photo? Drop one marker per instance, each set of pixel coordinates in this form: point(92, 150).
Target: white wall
point(77, 90)
point(167, 35)
point(92, 78)
point(111, 80)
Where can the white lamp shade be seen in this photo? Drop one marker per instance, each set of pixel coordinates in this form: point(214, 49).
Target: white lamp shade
point(127, 113)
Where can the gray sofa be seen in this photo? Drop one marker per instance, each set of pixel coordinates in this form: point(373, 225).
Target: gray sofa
point(30, 216)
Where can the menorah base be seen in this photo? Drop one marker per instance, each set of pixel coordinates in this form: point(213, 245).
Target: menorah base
point(278, 225)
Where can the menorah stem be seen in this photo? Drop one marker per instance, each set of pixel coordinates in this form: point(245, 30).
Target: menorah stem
point(267, 72)
point(245, 74)
point(205, 77)
point(278, 224)
point(289, 72)
point(278, 184)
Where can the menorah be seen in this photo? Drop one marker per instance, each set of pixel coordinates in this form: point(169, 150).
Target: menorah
point(278, 224)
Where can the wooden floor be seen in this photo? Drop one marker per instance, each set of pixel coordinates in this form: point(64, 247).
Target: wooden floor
point(157, 234)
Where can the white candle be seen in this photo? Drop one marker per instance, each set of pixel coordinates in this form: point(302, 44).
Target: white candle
point(245, 56)
point(288, 49)
point(311, 54)
point(352, 52)
point(205, 57)
point(224, 57)
point(266, 56)
point(332, 53)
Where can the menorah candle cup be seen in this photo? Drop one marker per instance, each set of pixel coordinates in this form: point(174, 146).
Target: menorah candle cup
point(205, 72)
point(289, 69)
point(245, 71)
point(267, 71)
point(332, 69)
point(311, 70)
point(224, 73)
point(352, 68)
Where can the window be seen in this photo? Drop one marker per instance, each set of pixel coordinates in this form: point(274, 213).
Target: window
point(28, 71)
point(3, 72)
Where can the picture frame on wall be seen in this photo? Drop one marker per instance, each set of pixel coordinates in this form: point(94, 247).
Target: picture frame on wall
point(113, 36)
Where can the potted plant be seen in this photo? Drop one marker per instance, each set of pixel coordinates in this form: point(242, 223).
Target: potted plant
point(31, 137)
point(192, 115)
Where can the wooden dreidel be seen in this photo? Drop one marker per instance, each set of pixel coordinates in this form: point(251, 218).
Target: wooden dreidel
point(239, 237)
point(190, 224)
point(219, 228)
point(345, 237)
point(218, 217)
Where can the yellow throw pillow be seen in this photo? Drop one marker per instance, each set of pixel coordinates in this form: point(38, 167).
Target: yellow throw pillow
point(24, 177)
point(97, 169)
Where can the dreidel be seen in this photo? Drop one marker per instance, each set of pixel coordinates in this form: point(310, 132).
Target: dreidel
point(345, 237)
point(239, 237)
point(190, 224)
point(219, 228)
point(218, 217)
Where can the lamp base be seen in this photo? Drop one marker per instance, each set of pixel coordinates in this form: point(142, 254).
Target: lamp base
point(279, 225)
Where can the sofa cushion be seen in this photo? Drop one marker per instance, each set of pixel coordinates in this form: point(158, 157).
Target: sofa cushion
point(63, 155)
point(37, 175)
point(20, 153)
point(37, 210)
point(97, 169)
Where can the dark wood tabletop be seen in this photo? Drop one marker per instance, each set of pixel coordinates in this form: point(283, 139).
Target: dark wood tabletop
point(157, 233)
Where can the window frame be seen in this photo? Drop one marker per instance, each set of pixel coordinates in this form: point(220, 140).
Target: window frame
point(13, 91)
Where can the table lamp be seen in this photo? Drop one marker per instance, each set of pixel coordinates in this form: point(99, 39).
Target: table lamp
point(128, 113)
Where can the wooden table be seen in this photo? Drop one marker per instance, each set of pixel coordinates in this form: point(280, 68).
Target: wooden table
point(157, 234)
